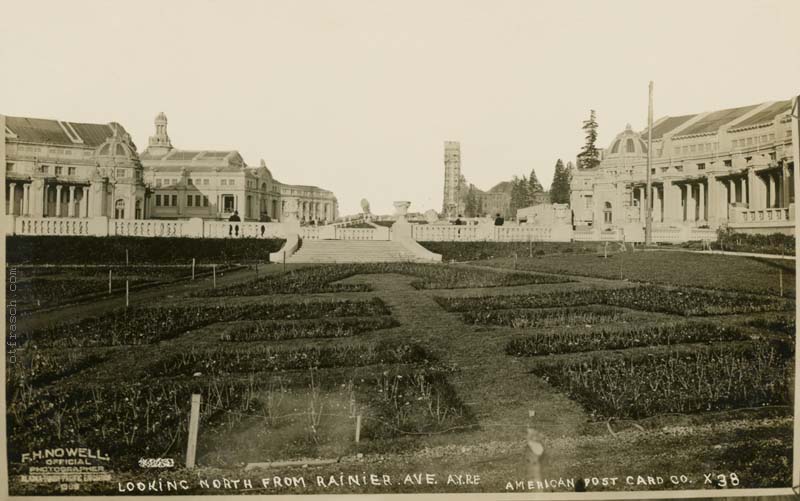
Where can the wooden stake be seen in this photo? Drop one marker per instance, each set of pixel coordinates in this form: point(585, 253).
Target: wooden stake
point(284, 261)
point(214, 269)
point(194, 424)
point(193, 260)
point(127, 294)
point(605, 251)
point(127, 261)
point(358, 428)
point(780, 279)
point(109, 280)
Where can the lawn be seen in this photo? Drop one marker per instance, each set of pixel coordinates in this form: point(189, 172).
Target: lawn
point(667, 267)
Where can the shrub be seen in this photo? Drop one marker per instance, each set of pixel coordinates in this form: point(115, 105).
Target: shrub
point(270, 330)
point(522, 319)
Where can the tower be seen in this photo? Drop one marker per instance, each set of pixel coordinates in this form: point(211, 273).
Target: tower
point(452, 178)
point(159, 143)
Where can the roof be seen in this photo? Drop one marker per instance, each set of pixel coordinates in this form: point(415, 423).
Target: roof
point(196, 158)
point(43, 130)
point(666, 125)
point(716, 119)
point(767, 115)
point(501, 187)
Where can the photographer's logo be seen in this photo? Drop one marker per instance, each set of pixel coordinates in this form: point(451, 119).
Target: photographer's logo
point(68, 466)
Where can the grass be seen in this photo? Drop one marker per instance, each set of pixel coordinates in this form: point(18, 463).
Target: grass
point(685, 269)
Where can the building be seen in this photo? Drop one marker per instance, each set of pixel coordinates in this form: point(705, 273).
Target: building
point(731, 167)
point(65, 169)
point(215, 184)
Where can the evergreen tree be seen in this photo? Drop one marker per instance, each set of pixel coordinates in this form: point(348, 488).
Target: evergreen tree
point(560, 189)
point(589, 157)
point(534, 186)
point(519, 194)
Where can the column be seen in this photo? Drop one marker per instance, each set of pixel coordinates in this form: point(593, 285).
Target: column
point(26, 193)
point(672, 202)
point(772, 201)
point(46, 194)
point(716, 200)
point(71, 208)
point(743, 189)
point(84, 206)
point(12, 187)
point(785, 183)
point(690, 203)
point(656, 204)
point(701, 193)
point(58, 200)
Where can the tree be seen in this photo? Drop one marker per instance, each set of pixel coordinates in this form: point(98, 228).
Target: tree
point(471, 202)
point(534, 186)
point(589, 157)
point(519, 194)
point(559, 189)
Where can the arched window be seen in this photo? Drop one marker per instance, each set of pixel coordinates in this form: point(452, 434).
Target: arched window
point(629, 147)
point(615, 148)
point(138, 208)
point(607, 217)
point(119, 209)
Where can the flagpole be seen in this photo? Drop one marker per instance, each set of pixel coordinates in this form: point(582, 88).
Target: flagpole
point(648, 212)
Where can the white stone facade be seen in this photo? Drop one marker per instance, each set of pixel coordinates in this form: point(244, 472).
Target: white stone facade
point(731, 168)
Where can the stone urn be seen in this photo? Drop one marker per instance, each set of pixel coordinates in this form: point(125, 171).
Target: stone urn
point(401, 209)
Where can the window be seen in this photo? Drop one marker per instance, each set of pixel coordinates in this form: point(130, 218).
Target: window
point(174, 200)
point(224, 182)
point(685, 149)
point(9, 167)
point(588, 201)
point(653, 170)
point(727, 163)
point(749, 141)
point(197, 200)
point(45, 169)
point(158, 200)
point(158, 182)
point(58, 170)
point(71, 171)
point(231, 182)
point(764, 138)
point(693, 148)
point(189, 200)
point(205, 199)
point(121, 172)
point(701, 166)
point(679, 168)
point(190, 181)
point(772, 137)
point(205, 181)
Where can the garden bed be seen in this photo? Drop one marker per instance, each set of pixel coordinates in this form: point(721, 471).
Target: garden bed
point(638, 385)
point(590, 339)
point(279, 330)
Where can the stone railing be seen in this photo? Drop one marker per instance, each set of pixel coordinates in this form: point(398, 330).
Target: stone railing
point(585, 235)
point(357, 234)
point(25, 225)
point(765, 215)
point(449, 233)
point(668, 234)
point(309, 232)
point(233, 229)
point(147, 228)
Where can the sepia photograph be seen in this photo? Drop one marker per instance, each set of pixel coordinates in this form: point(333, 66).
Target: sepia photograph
point(513, 250)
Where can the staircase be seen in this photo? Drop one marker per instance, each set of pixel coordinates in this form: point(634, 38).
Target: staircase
point(351, 251)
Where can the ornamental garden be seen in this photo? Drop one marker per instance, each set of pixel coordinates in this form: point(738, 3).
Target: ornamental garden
point(440, 368)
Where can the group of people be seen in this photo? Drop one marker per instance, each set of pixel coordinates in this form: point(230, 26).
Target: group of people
point(498, 221)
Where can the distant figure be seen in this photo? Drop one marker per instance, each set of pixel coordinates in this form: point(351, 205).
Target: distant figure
point(498, 221)
point(458, 221)
point(234, 217)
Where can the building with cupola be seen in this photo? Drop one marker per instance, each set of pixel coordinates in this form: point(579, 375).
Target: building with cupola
point(64, 169)
point(213, 184)
point(727, 168)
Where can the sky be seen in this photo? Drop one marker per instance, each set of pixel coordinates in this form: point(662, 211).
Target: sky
point(359, 96)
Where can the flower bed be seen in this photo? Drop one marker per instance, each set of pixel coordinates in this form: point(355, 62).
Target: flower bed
point(522, 319)
point(687, 302)
point(476, 251)
point(781, 325)
point(581, 340)
point(226, 360)
point(38, 368)
point(725, 376)
point(271, 330)
point(319, 279)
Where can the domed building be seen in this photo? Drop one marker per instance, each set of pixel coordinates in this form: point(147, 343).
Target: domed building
point(731, 167)
point(213, 184)
point(63, 169)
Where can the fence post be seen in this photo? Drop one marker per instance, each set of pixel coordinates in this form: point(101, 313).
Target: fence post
point(214, 270)
point(358, 428)
point(127, 261)
point(194, 423)
point(127, 294)
point(109, 280)
point(780, 279)
point(284, 261)
point(193, 260)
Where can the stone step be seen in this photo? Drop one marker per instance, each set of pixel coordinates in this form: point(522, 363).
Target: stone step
point(350, 251)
